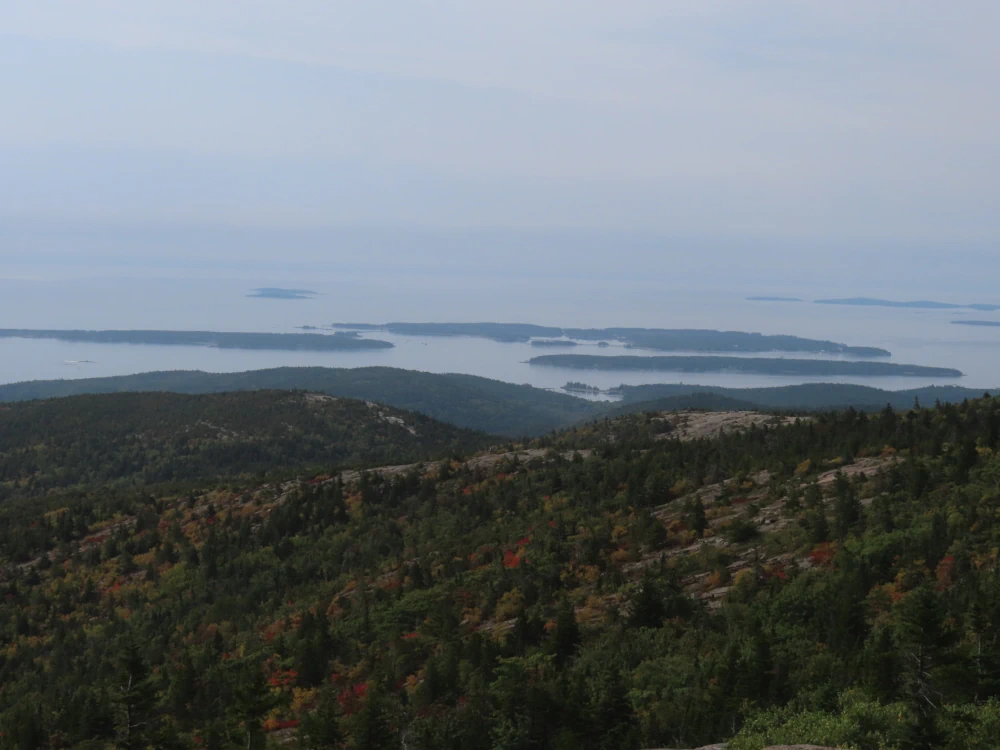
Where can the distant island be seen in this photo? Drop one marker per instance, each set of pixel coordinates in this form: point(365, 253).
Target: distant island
point(316, 342)
point(553, 342)
point(984, 323)
point(273, 292)
point(661, 339)
point(914, 305)
point(756, 365)
point(774, 299)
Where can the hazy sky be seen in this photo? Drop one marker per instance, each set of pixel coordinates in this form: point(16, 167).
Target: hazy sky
point(771, 130)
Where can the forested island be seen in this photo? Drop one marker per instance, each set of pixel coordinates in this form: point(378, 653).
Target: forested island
point(574, 386)
point(341, 341)
point(553, 343)
point(983, 323)
point(913, 305)
point(754, 365)
point(662, 339)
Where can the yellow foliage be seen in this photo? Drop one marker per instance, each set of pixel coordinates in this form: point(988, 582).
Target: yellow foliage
point(302, 698)
point(803, 468)
point(510, 604)
point(680, 487)
point(620, 556)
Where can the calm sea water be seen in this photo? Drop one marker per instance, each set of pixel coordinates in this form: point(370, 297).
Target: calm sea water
point(913, 336)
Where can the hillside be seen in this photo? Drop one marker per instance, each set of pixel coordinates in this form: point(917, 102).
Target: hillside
point(626, 584)
point(132, 439)
point(806, 397)
point(465, 400)
point(491, 405)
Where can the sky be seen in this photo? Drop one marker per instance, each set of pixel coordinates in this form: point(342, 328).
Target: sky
point(734, 137)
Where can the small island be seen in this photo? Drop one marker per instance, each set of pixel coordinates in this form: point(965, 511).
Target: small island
point(315, 342)
point(913, 305)
point(983, 323)
point(576, 387)
point(273, 292)
point(745, 365)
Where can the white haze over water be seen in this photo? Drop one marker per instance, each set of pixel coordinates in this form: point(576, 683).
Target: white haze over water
point(584, 163)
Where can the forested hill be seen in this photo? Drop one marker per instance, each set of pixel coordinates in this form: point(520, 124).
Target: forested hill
point(465, 400)
point(130, 439)
point(805, 397)
point(628, 584)
point(491, 405)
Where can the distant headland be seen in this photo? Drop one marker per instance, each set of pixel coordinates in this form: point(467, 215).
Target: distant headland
point(273, 292)
point(913, 305)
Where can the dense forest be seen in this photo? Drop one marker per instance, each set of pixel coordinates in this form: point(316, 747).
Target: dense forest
point(664, 339)
point(757, 365)
point(491, 405)
point(135, 439)
point(627, 584)
point(316, 342)
point(464, 400)
point(805, 397)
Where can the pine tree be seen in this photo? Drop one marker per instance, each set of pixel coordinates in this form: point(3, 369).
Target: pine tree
point(567, 635)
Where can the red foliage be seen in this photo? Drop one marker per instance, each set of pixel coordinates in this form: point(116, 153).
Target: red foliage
point(779, 573)
point(945, 572)
point(823, 554)
point(411, 636)
point(524, 541)
point(552, 524)
point(350, 698)
point(511, 560)
point(283, 678)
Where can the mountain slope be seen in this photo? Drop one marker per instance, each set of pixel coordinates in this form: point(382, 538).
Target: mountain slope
point(788, 581)
point(464, 400)
point(132, 438)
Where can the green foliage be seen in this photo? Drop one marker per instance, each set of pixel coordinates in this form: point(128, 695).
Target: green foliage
point(526, 600)
point(141, 439)
point(465, 400)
